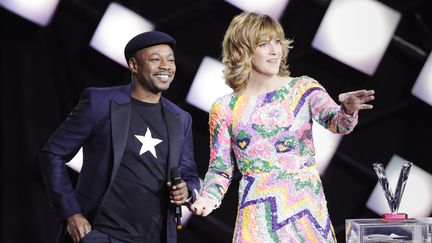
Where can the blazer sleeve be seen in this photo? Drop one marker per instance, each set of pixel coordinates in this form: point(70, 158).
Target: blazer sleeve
point(187, 163)
point(59, 149)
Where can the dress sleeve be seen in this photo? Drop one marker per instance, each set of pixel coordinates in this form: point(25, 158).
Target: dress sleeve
point(221, 163)
point(327, 113)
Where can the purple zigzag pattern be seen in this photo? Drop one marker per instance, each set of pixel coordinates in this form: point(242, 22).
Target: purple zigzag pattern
point(268, 98)
point(303, 98)
point(273, 209)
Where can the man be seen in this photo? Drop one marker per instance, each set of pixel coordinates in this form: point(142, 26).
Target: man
point(132, 137)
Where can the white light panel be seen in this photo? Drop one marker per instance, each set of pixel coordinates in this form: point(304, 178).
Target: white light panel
point(274, 8)
point(325, 143)
point(39, 12)
point(116, 28)
point(423, 85)
point(417, 198)
point(208, 84)
point(357, 32)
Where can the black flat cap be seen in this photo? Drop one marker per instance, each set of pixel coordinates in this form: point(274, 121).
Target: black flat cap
point(147, 39)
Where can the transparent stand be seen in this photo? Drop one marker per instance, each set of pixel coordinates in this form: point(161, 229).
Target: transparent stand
point(380, 230)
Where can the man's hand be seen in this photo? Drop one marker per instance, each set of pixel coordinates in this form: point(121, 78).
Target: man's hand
point(78, 227)
point(356, 100)
point(178, 193)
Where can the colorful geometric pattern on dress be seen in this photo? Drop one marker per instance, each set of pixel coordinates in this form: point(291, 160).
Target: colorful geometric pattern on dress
point(269, 138)
point(271, 206)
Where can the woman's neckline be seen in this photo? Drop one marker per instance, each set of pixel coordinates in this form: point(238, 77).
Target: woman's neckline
point(271, 91)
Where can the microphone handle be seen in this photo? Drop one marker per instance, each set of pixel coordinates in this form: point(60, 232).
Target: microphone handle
point(176, 179)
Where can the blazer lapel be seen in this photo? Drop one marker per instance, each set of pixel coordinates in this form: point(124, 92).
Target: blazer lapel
point(120, 115)
point(174, 126)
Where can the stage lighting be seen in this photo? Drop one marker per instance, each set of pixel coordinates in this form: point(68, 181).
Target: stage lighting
point(117, 26)
point(39, 12)
point(76, 162)
point(274, 8)
point(357, 32)
point(325, 143)
point(423, 85)
point(207, 85)
point(417, 198)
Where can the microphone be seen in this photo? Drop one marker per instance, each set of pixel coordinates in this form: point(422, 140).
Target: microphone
point(176, 179)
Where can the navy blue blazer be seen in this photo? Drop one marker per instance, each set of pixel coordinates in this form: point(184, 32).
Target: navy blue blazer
point(99, 124)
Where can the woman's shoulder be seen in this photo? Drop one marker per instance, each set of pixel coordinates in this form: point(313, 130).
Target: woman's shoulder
point(307, 82)
point(305, 79)
point(225, 99)
point(222, 103)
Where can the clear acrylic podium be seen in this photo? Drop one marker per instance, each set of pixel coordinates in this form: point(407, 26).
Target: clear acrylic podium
point(379, 230)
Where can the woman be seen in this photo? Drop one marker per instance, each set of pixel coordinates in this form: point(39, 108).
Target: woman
point(265, 128)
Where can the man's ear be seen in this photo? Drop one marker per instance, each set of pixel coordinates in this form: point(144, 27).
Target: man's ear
point(132, 63)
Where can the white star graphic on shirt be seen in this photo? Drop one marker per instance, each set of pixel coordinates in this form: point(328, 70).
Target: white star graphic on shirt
point(148, 143)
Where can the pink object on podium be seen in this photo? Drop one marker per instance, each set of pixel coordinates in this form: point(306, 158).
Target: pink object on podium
point(394, 216)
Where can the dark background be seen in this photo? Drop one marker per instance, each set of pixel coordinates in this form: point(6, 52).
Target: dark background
point(44, 69)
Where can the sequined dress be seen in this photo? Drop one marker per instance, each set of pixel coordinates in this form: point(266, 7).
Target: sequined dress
point(269, 138)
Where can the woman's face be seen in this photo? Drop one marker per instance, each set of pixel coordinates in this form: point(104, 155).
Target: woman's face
point(266, 59)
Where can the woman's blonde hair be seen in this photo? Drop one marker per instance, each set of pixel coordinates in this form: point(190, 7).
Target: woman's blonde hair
point(240, 42)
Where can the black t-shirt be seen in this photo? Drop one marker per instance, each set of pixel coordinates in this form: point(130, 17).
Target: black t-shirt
point(135, 207)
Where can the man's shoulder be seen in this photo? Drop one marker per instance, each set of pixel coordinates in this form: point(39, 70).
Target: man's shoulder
point(173, 107)
point(107, 90)
point(108, 93)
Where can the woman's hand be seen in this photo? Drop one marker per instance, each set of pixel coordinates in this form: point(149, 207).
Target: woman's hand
point(356, 100)
point(202, 206)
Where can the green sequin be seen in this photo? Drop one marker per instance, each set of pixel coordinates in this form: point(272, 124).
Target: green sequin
point(242, 135)
point(298, 232)
point(265, 134)
point(257, 165)
point(219, 163)
point(233, 101)
point(303, 150)
point(268, 217)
